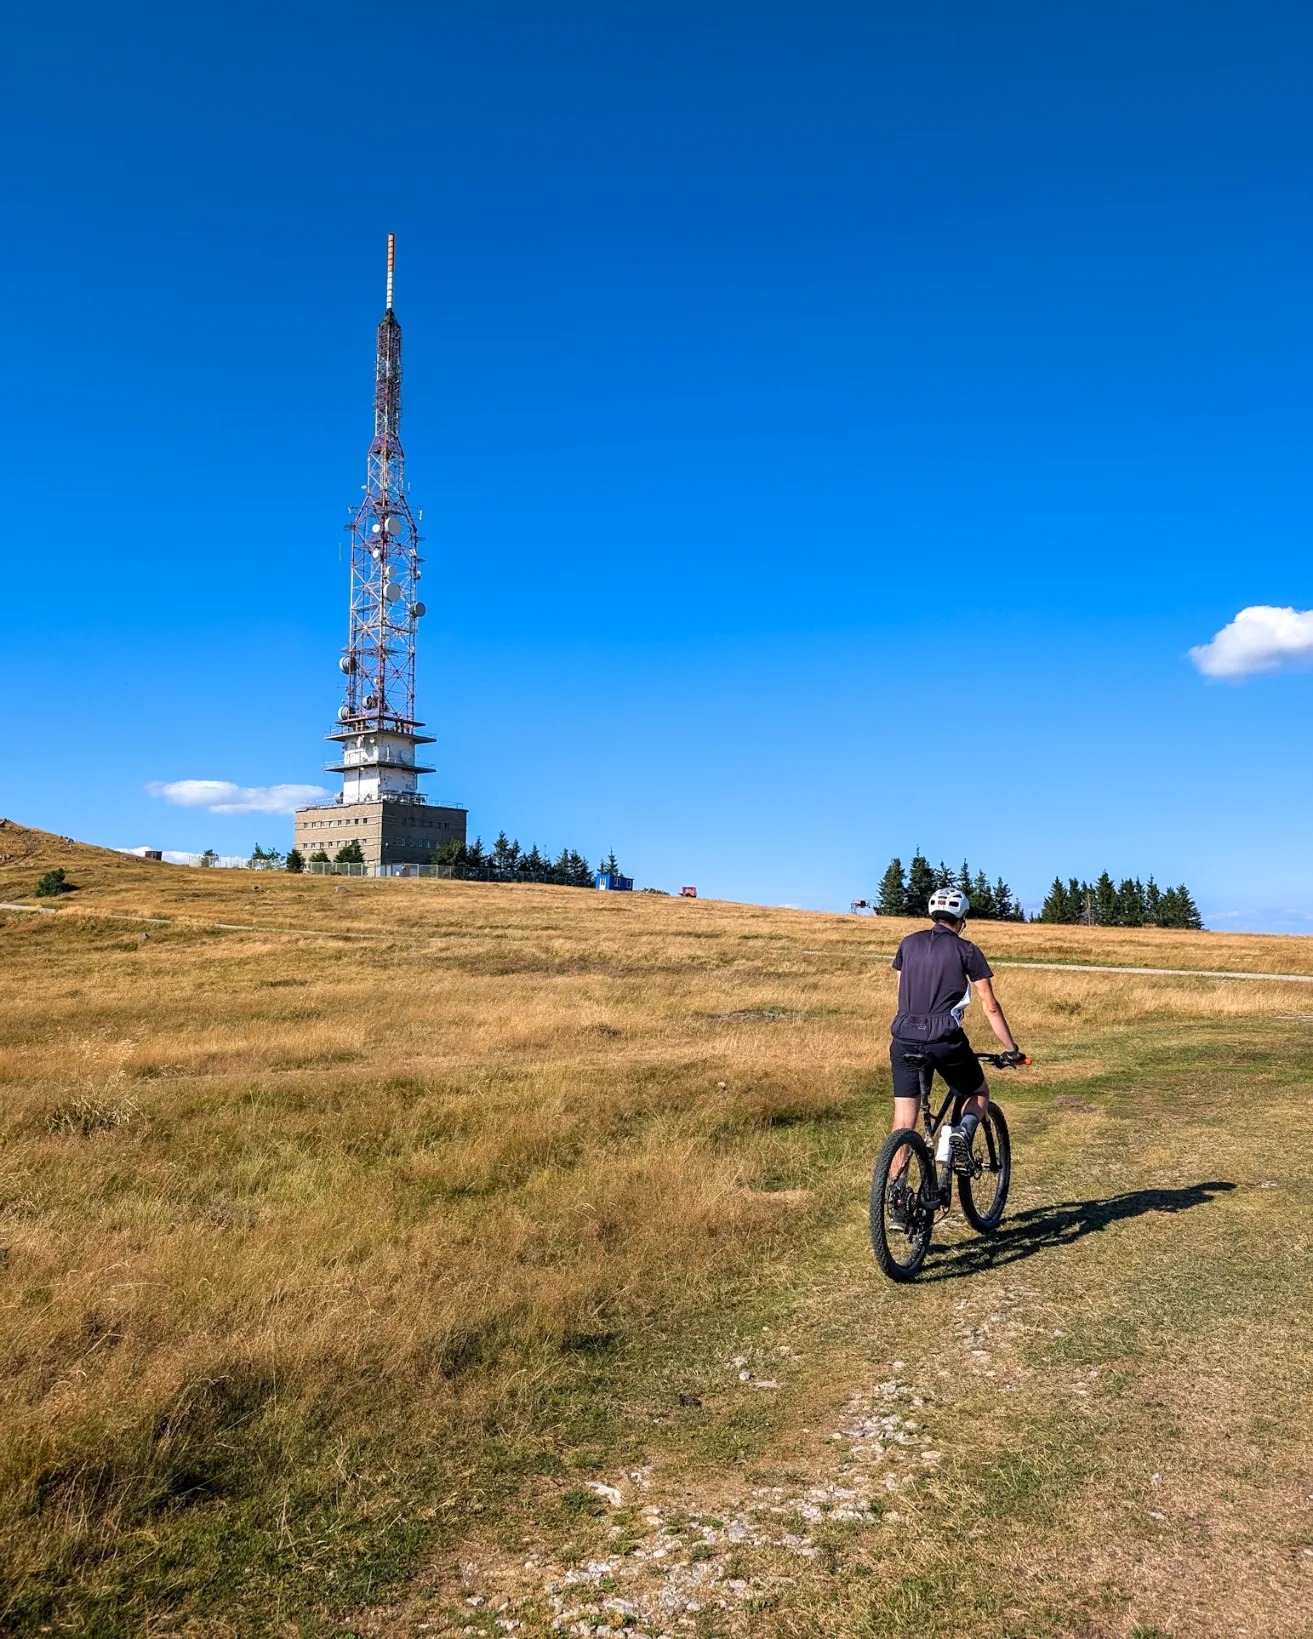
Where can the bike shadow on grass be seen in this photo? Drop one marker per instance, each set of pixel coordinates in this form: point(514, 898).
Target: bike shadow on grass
point(1042, 1227)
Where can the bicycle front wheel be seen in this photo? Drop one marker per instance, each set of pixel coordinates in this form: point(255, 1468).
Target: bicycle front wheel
point(904, 1194)
point(984, 1193)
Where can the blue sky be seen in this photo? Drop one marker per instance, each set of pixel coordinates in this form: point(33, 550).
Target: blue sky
point(835, 424)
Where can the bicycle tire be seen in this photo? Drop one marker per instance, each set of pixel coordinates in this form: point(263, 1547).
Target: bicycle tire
point(924, 1188)
point(986, 1221)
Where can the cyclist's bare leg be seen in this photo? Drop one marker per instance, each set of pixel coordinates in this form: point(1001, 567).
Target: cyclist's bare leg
point(906, 1113)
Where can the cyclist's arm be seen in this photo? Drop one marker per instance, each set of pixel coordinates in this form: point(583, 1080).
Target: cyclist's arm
point(994, 1013)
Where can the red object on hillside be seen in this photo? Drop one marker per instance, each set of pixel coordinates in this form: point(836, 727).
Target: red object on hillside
point(688, 893)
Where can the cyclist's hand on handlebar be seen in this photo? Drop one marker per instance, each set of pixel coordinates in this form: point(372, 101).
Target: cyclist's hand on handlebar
point(1014, 1058)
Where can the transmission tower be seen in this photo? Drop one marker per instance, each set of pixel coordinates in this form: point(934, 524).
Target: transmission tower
point(378, 708)
point(376, 726)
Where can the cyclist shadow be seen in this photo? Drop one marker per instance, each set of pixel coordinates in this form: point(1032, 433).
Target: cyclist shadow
point(1042, 1227)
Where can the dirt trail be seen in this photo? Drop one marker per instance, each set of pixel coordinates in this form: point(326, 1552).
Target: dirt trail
point(679, 1560)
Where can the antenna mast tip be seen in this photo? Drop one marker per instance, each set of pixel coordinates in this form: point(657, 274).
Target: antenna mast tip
point(392, 259)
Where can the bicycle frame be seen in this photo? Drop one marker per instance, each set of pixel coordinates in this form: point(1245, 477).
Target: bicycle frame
point(934, 1119)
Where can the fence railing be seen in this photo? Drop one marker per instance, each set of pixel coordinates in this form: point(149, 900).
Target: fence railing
point(223, 862)
point(321, 867)
point(459, 873)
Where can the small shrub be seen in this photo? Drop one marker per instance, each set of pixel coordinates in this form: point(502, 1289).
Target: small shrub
point(52, 884)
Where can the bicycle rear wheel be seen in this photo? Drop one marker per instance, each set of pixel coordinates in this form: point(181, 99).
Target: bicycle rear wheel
point(985, 1193)
point(904, 1193)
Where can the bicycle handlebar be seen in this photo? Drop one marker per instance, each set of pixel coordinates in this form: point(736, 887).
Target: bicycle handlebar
point(1006, 1061)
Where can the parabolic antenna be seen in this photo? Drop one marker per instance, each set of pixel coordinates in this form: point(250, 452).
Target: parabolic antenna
point(392, 591)
point(419, 609)
point(392, 524)
point(342, 714)
point(348, 663)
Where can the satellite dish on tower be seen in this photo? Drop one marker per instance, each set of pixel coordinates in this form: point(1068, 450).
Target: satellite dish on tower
point(391, 591)
point(419, 609)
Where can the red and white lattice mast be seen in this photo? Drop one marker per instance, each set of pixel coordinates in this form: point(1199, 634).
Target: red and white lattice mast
point(376, 725)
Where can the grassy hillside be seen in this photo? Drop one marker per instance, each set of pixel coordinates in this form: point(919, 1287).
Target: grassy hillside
point(398, 1257)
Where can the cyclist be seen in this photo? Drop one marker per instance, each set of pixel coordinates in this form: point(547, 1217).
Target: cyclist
point(936, 968)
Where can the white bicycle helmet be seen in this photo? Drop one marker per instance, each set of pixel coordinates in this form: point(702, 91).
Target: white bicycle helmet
point(949, 902)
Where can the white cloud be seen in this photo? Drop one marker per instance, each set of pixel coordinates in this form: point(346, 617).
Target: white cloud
point(1259, 639)
point(223, 797)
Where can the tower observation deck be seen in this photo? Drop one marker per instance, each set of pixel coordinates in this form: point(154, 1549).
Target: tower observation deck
point(377, 732)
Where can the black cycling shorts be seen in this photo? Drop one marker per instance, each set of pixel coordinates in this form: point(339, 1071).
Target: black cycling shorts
point(952, 1058)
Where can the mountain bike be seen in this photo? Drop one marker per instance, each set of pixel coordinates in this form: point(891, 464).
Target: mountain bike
point(913, 1178)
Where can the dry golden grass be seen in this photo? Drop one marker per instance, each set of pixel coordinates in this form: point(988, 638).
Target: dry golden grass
point(335, 1243)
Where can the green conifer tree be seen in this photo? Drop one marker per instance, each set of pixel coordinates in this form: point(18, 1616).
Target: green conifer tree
point(350, 853)
point(1189, 911)
point(1105, 901)
point(920, 885)
point(1057, 903)
point(295, 861)
point(982, 899)
point(1130, 903)
point(892, 900)
point(1152, 903)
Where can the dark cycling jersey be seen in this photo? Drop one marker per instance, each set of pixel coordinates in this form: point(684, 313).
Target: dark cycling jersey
point(935, 968)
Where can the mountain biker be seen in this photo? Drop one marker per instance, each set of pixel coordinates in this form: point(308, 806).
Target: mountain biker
point(936, 968)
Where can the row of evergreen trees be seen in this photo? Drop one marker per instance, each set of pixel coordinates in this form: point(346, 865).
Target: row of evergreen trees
point(907, 893)
point(507, 861)
point(1103, 903)
point(504, 861)
point(1126, 904)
